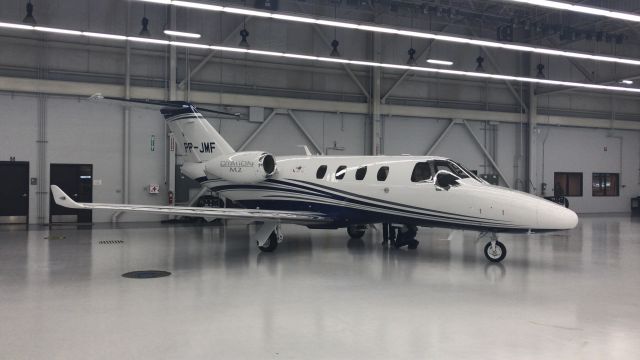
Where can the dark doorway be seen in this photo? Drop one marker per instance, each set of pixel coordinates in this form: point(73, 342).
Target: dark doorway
point(77, 181)
point(14, 192)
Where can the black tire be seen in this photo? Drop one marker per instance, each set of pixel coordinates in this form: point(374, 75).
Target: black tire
point(413, 244)
point(271, 245)
point(498, 255)
point(409, 234)
point(356, 231)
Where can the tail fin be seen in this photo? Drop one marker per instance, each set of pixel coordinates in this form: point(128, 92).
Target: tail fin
point(196, 139)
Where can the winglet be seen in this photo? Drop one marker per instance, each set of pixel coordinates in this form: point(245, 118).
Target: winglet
point(63, 199)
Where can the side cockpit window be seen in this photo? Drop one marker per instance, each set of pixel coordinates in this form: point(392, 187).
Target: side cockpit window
point(322, 170)
point(421, 172)
point(383, 172)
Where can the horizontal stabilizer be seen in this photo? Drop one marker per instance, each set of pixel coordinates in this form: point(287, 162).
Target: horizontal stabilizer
point(155, 104)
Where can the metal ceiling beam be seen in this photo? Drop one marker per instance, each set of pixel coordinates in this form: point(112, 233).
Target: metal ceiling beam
point(610, 81)
point(259, 129)
point(494, 63)
point(583, 70)
point(408, 71)
point(443, 134)
point(204, 61)
point(486, 153)
point(346, 67)
point(304, 132)
point(80, 90)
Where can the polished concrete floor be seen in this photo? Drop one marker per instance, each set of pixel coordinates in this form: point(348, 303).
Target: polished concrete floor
point(573, 295)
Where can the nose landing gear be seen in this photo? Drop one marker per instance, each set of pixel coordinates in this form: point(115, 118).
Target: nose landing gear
point(494, 250)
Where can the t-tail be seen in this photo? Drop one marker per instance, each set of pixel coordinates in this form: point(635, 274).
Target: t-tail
point(207, 155)
point(196, 139)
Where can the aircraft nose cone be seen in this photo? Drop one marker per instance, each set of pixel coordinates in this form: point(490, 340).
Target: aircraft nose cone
point(555, 217)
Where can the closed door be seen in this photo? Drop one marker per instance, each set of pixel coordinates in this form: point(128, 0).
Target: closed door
point(77, 181)
point(14, 192)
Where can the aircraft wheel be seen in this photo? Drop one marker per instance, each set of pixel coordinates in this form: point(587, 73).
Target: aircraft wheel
point(495, 253)
point(356, 231)
point(413, 244)
point(271, 245)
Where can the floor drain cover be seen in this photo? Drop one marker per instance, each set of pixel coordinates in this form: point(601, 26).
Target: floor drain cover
point(146, 274)
point(102, 242)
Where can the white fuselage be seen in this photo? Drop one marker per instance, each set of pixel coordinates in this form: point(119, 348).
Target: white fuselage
point(472, 204)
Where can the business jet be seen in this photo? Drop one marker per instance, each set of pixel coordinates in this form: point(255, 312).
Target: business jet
point(330, 192)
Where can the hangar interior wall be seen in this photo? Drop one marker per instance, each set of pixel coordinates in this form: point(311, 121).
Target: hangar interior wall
point(79, 131)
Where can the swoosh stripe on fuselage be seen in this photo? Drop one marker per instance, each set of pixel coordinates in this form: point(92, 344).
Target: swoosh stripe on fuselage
point(323, 196)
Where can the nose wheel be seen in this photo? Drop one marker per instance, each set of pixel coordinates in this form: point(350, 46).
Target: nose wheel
point(495, 251)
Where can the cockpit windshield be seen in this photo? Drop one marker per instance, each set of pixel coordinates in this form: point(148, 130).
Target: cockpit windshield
point(470, 174)
point(451, 167)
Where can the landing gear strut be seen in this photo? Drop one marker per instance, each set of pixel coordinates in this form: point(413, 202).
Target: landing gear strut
point(494, 250)
point(399, 236)
point(267, 236)
point(271, 244)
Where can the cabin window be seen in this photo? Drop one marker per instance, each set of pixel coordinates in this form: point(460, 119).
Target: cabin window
point(567, 184)
point(361, 173)
point(605, 184)
point(383, 173)
point(322, 170)
point(421, 172)
point(342, 169)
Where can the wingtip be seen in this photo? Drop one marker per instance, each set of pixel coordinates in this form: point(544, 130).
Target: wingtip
point(62, 199)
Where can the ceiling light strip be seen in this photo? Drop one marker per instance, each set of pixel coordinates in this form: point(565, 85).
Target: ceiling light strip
point(581, 9)
point(410, 33)
point(323, 59)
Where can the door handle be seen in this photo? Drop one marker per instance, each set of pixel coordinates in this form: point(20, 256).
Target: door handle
point(75, 195)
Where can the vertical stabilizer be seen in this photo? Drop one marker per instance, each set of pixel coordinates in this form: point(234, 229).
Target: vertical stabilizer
point(196, 139)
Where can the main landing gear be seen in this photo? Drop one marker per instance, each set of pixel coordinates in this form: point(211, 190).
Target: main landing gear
point(400, 235)
point(267, 236)
point(494, 250)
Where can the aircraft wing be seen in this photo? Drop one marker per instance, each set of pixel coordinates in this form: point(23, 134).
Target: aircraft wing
point(293, 217)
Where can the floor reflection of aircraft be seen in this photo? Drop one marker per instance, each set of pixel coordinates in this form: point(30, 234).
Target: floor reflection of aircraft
point(352, 192)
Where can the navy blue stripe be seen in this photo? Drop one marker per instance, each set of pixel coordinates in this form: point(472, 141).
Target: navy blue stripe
point(362, 203)
point(421, 211)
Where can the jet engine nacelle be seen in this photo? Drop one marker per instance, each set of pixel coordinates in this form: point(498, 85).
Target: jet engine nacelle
point(243, 167)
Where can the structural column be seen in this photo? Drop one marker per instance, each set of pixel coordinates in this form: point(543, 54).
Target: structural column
point(374, 102)
point(173, 86)
point(532, 179)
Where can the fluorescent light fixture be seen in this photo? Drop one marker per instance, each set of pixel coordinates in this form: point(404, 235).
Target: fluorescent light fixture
point(581, 9)
point(148, 40)
point(182, 34)
point(57, 30)
point(338, 60)
point(162, 2)
point(440, 62)
point(15, 26)
point(418, 34)
point(248, 12)
point(195, 5)
point(293, 18)
point(627, 82)
point(191, 45)
point(104, 36)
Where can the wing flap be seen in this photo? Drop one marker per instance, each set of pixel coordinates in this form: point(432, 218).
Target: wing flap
point(303, 217)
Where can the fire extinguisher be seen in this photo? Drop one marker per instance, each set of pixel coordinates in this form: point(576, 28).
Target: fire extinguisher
point(170, 193)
